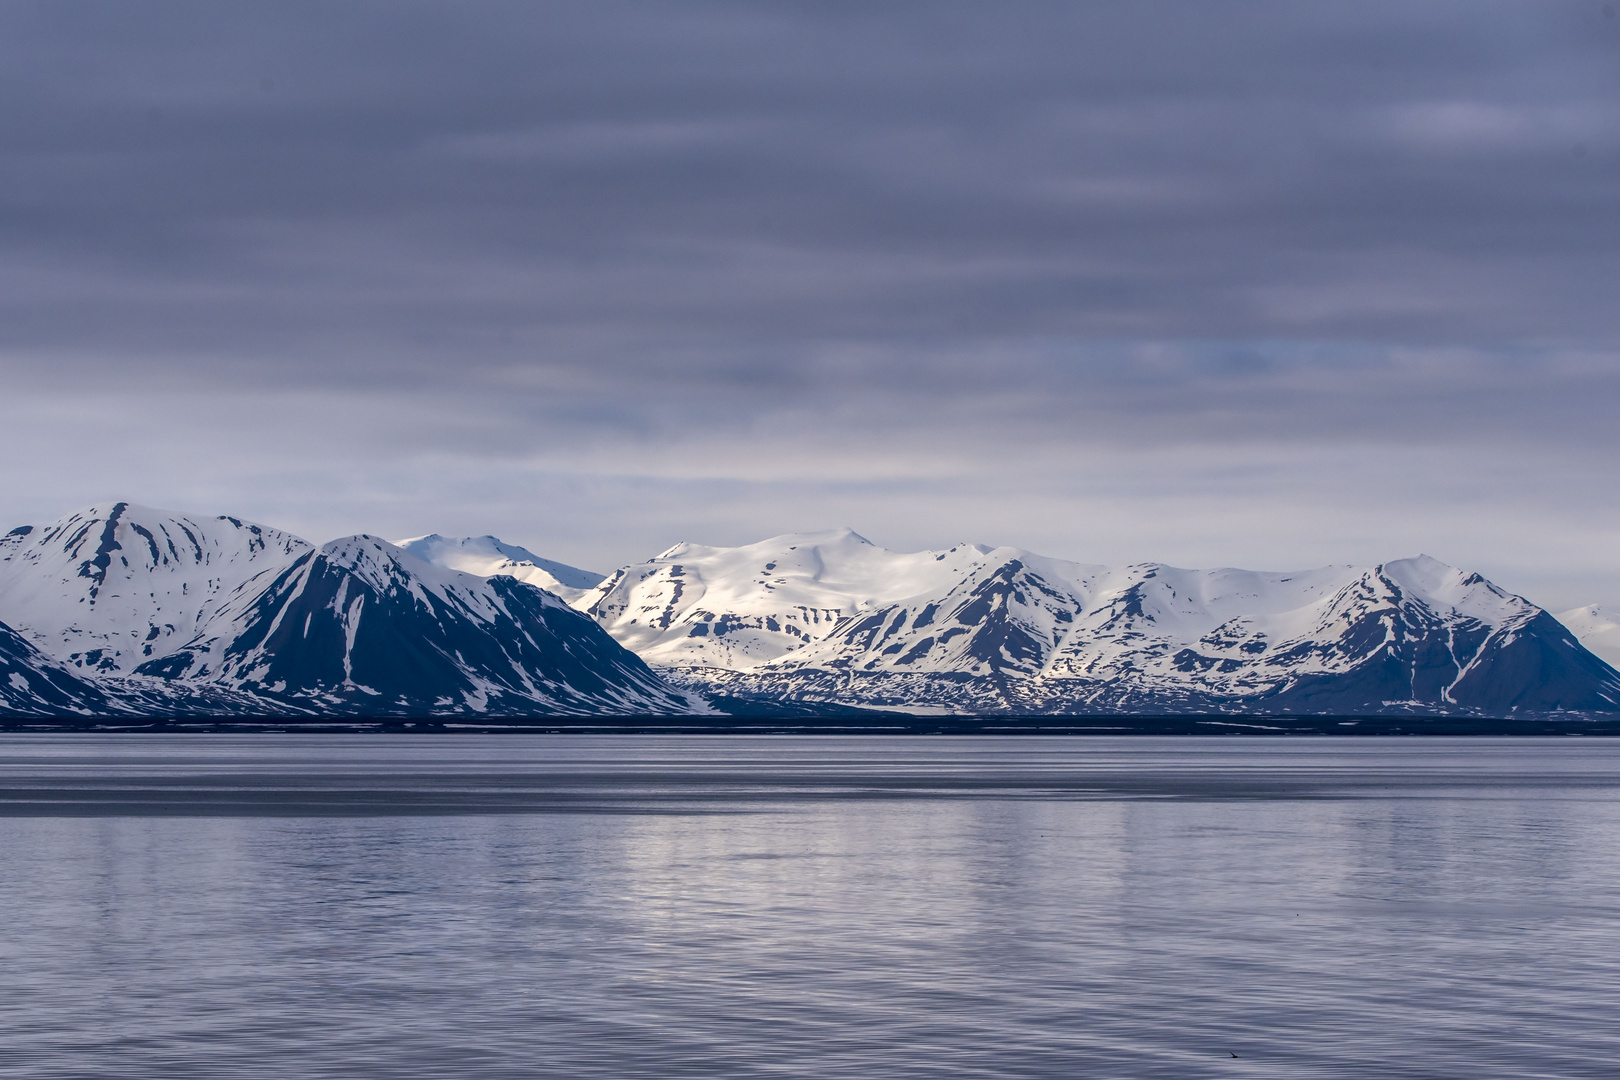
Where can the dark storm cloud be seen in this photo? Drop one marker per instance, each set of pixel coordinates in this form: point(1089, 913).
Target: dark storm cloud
point(396, 182)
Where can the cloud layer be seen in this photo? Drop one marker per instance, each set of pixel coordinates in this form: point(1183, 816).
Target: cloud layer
point(1272, 284)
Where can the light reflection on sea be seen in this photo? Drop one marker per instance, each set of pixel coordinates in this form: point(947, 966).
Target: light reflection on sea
point(504, 906)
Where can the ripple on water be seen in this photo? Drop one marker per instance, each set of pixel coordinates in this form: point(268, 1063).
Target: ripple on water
point(336, 906)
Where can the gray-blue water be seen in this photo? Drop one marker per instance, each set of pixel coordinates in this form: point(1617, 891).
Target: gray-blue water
point(498, 906)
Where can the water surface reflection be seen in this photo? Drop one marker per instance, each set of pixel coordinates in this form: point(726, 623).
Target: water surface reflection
point(206, 906)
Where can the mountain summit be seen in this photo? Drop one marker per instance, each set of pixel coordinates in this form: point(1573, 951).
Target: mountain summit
point(1597, 628)
point(112, 586)
point(488, 557)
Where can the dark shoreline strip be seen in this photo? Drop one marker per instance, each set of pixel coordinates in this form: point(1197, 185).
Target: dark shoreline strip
point(892, 724)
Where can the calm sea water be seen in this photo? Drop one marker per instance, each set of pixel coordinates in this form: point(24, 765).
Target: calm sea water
point(498, 906)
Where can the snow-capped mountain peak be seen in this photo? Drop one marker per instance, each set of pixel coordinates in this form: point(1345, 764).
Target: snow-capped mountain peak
point(1598, 629)
point(488, 556)
point(701, 606)
point(384, 565)
point(114, 585)
point(360, 624)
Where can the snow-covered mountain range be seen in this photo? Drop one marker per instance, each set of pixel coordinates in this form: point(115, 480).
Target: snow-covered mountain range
point(737, 608)
point(831, 617)
point(362, 625)
point(125, 610)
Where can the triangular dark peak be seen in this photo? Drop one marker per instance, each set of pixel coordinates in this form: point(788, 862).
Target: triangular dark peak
point(361, 627)
point(998, 620)
point(1539, 667)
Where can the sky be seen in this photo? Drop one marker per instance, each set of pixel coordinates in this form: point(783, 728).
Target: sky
point(1271, 285)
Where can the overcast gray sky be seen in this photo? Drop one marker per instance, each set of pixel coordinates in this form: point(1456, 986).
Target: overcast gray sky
point(1261, 284)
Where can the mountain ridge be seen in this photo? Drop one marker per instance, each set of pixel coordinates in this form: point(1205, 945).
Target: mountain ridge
point(442, 640)
point(127, 609)
point(1001, 629)
point(130, 610)
point(114, 585)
